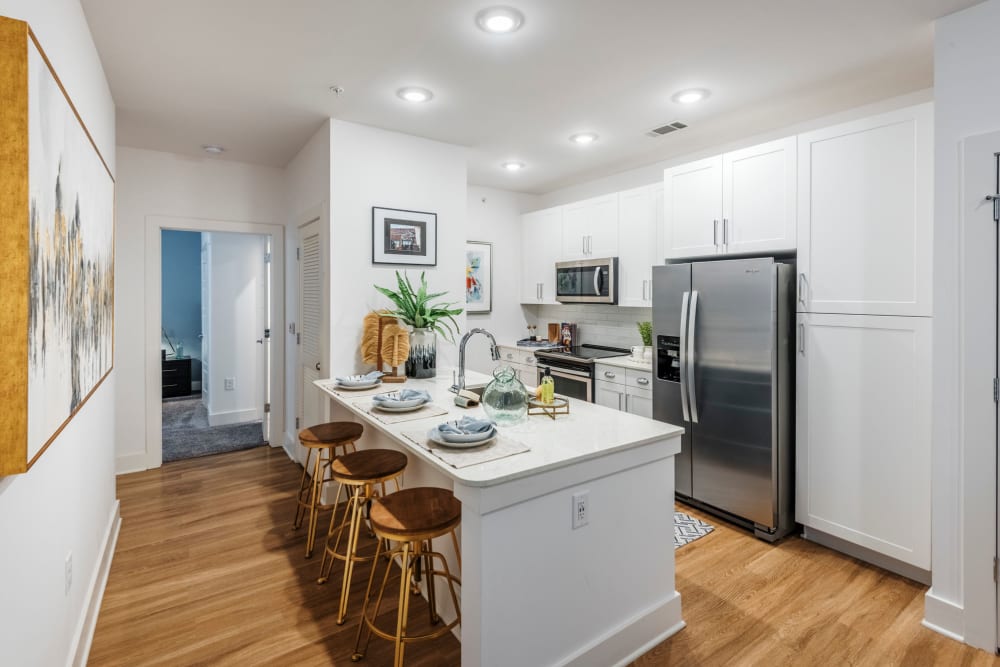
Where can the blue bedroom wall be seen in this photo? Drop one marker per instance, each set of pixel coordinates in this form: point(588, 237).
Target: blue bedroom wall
point(181, 293)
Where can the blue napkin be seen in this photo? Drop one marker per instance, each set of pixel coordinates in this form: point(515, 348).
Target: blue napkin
point(466, 426)
point(368, 377)
point(402, 395)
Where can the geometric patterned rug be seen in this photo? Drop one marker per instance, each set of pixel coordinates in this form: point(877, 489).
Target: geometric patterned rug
point(688, 529)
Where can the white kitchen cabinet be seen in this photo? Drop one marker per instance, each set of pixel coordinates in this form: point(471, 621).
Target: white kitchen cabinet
point(863, 432)
point(639, 402)
point(639, 213)
point(743, 202)
point(758, 198)
point(692, 200)
point(865, 215)
point(609, 394)
point(590, 228)
point(624, 389)
point(541, 236)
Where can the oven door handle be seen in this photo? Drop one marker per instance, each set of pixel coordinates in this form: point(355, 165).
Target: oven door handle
point(563, 372)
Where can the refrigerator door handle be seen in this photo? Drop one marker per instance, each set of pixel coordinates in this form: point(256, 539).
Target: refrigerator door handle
point(683, 350)
point(692, 328)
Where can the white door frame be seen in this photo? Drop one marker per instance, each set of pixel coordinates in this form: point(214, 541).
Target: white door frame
point(155, 224)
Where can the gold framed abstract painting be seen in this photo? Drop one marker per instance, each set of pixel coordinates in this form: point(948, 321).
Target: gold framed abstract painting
point(57, 243)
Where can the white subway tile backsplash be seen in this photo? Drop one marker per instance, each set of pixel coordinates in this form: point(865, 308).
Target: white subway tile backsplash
point(598, 324)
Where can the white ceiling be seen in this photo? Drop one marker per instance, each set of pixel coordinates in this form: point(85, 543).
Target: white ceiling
point(254, 75)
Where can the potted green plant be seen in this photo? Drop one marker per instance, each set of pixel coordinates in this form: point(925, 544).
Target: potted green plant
point(416, 308)
point(646, 333)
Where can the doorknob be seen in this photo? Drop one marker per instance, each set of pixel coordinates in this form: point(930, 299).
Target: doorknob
point(317, 365)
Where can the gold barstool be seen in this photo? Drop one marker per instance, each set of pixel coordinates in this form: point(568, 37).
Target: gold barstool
point(411, 518)
point(362, 473)
point(324, 439)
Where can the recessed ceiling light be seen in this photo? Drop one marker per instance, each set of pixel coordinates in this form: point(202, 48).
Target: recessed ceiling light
point(584, 138)
point(213, 149)
point(499, 20)
point(691, 96)
point(513, 165)
point(414, 94)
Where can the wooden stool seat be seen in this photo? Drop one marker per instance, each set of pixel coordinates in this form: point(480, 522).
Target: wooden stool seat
point(416, 514)
point(362, 473)
point(330, 434)
point(412, 518)
point(368, 465)
point(323, 440)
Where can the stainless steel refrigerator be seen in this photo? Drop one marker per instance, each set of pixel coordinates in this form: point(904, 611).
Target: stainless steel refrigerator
point(723, 370)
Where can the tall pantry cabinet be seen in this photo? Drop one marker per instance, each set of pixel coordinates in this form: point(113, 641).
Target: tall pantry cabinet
point(863, 432)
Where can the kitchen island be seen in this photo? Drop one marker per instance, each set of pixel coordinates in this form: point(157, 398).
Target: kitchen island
point(536, 591)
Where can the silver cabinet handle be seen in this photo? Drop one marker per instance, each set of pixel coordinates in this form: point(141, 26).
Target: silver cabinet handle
point(802, 339)
point(510, 355)
point(715, 233)
point(684, 360)
point(619, 401)
point(642, 381)
point(803, 289)
point(693, 328)
point(538, 291)
point(583, 244)
point(725, 231)
point(643, 290)
point(626, 402)
point(609, 374)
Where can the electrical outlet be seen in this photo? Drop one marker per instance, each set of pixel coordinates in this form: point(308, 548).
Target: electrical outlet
point(68, 575)
point(581, 509)
point(229, 384)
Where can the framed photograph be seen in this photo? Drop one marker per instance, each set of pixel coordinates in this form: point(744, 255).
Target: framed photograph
point(478, 277)
point(403, 237)
point(57, 195)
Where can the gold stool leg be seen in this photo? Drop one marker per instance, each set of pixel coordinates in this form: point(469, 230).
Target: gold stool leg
point(366, 622)
point(317, 489)
point(360, 495)
point(329, 550)
point(404, 605)
point(303, 487)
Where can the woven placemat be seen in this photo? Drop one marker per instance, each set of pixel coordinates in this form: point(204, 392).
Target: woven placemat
point(425, 412)
point(500, 448)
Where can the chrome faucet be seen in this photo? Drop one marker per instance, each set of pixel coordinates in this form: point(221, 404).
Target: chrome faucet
point(494, 351)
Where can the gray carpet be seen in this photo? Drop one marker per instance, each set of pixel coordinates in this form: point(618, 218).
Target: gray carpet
point(186, 433)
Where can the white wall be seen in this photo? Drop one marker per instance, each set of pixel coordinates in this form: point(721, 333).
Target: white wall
point(967, 103)
point(237, 312)
point(495, 216)
point(66, 502)
point(653, 173)
point(372, 167)
point(163, 184)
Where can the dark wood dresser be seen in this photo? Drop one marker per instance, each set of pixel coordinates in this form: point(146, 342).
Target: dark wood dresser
point(176, 377)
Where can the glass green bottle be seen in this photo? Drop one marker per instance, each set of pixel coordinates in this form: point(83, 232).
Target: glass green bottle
point(505, 399)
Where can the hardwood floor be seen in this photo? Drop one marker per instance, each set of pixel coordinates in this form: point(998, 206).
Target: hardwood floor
point(208, 572)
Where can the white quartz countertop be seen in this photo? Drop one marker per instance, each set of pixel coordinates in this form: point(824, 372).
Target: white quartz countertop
point(626, 362)
point(589, 431)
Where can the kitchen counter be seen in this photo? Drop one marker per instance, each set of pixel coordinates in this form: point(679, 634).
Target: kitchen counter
point(603, 592)
point(626, 362)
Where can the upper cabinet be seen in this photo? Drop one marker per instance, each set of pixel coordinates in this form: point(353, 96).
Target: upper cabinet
point(541, 233)
point(590, 228)
point(741, 202)
point(640, 214)
point(865, 218)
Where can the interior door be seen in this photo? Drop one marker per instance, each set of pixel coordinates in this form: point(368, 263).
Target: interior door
point(262, 336)
point(692, 196)
point(313, 333)
point(734, 321)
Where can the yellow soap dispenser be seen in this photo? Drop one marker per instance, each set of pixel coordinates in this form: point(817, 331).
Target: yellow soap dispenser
point(548, 387)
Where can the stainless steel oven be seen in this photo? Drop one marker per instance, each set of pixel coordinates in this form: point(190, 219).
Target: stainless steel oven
point(587, 281)
point(573, 380)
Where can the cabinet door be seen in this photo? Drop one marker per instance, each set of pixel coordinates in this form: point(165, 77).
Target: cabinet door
point(863, 431)
point(865, 215)
point(759, 198)
point(575, 228)
point(637, 243)
point(602, 234)
point(692, 199)
point(541, 232)
point(639, 402)
point(609, 395)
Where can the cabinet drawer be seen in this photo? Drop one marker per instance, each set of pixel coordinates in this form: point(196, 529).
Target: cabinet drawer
point(611, 374)
point(508, 355)
point(640, 379)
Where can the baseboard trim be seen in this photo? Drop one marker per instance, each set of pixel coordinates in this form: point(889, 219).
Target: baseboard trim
point(131, 463)
point(84, 636)
point(943, 616)
point(232, 417)
point(618, 646)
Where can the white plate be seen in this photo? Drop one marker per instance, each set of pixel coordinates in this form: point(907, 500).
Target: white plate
point(433, 436)
point(391, 408)
point(396, 403)
point(357, 387)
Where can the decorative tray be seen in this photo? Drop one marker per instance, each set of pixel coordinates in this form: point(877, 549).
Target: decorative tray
point(558, 406)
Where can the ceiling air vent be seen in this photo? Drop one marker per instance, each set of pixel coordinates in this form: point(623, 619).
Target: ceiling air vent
point(667, 129)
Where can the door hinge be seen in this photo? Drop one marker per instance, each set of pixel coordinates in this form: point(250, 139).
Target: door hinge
point(267, 333)
point(267, 258)
point(296, 423)
point(298, 339)
point(996, 390)
point(267, 408)
point(994, 568)
point(995, 199)
point(297, 253)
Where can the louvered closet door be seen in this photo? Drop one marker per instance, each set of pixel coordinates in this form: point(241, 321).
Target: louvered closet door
point(312, 321)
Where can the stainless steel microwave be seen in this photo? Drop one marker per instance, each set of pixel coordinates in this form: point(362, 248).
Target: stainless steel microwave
point(587, 281)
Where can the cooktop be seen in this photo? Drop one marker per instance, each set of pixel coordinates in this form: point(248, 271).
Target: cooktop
point(586, 352)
